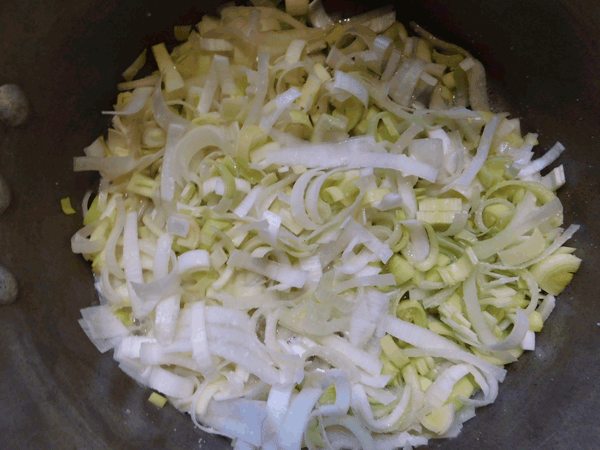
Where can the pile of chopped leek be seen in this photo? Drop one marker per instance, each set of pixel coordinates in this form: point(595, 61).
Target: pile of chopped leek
point(319, 236)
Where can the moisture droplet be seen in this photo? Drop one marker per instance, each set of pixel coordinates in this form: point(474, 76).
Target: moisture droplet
point(8, 287)
point(14, 107)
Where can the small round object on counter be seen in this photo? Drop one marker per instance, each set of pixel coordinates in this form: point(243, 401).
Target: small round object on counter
point(9, 288)
point(14, 107)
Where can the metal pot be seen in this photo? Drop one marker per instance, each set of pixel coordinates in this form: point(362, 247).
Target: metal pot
point(57, 392)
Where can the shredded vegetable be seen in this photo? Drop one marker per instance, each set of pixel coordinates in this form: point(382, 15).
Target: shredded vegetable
point(319, 236)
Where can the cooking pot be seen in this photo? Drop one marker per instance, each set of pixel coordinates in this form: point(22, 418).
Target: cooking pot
point(58, 392)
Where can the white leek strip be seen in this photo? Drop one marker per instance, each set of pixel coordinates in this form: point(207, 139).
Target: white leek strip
point(245, 302)
point(327, 156)
point(111, 243)
point(381, 249)
point(536, 166)
point(132, 261)
point(138, 100)
point(517, 227)
point(165, 319)
point(291, 430)
point(80, 242)
point(360, 403)
point(228, 86)
point(546, 307)
point(373, 280)
point(261, 91)
point(297, 203)
point(151, 293)
point(398, 440)
point(170, 384)
point(130, 346)
point(178, 225)
point(345, 82)
point(406, 138)
point(362, 359)
point(162, 114)
point(218, 315)
point(114, 166)
point(435, 345)
point(248, 202)
point(516, 336)
point(483, 150)
point(525, 251)
point(237, 418)
point(419, 242)
point(555, 179)
point(528, 342)
point(404, 81)
point(458, 224)
point(278, 272)
point(474, 311)
point(161, 258)
point(217, 185)
point(170, 171)
point(352, 423)
point(477, 86)
point(278, 403)
point(102, 323)
point(311, 199)
point(193, 261)
point(210, 87)
point(389, 202)
point(283, 101)
point(318, 16)
point(438, 393)
point(249, 359)
point(382, 396)
point(199, 339)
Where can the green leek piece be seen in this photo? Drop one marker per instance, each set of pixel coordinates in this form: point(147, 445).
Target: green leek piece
point(448, 80)
point(124, 315)
point(496, 216)
point(536, 322)
point(533, 246)
point(555, 272)
point(402, 270)
point(493, 171)
point(463, 388)
point(425, 383)
point(182, 32)
point(141, 185)
point(192, 240)
point(440, 204)
point(374, 196)
point(388, 367)
point(393, 352)
point(157, 400)
point(451, 61)
point(410, 377)
point(300, 126)
point(458, 271)
point(436, 218)
point(65, 204)
point(440, 419)
point(328, 397)
point(412, 311)
point(423, 51)
point(130, 73)
point(174, 85)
